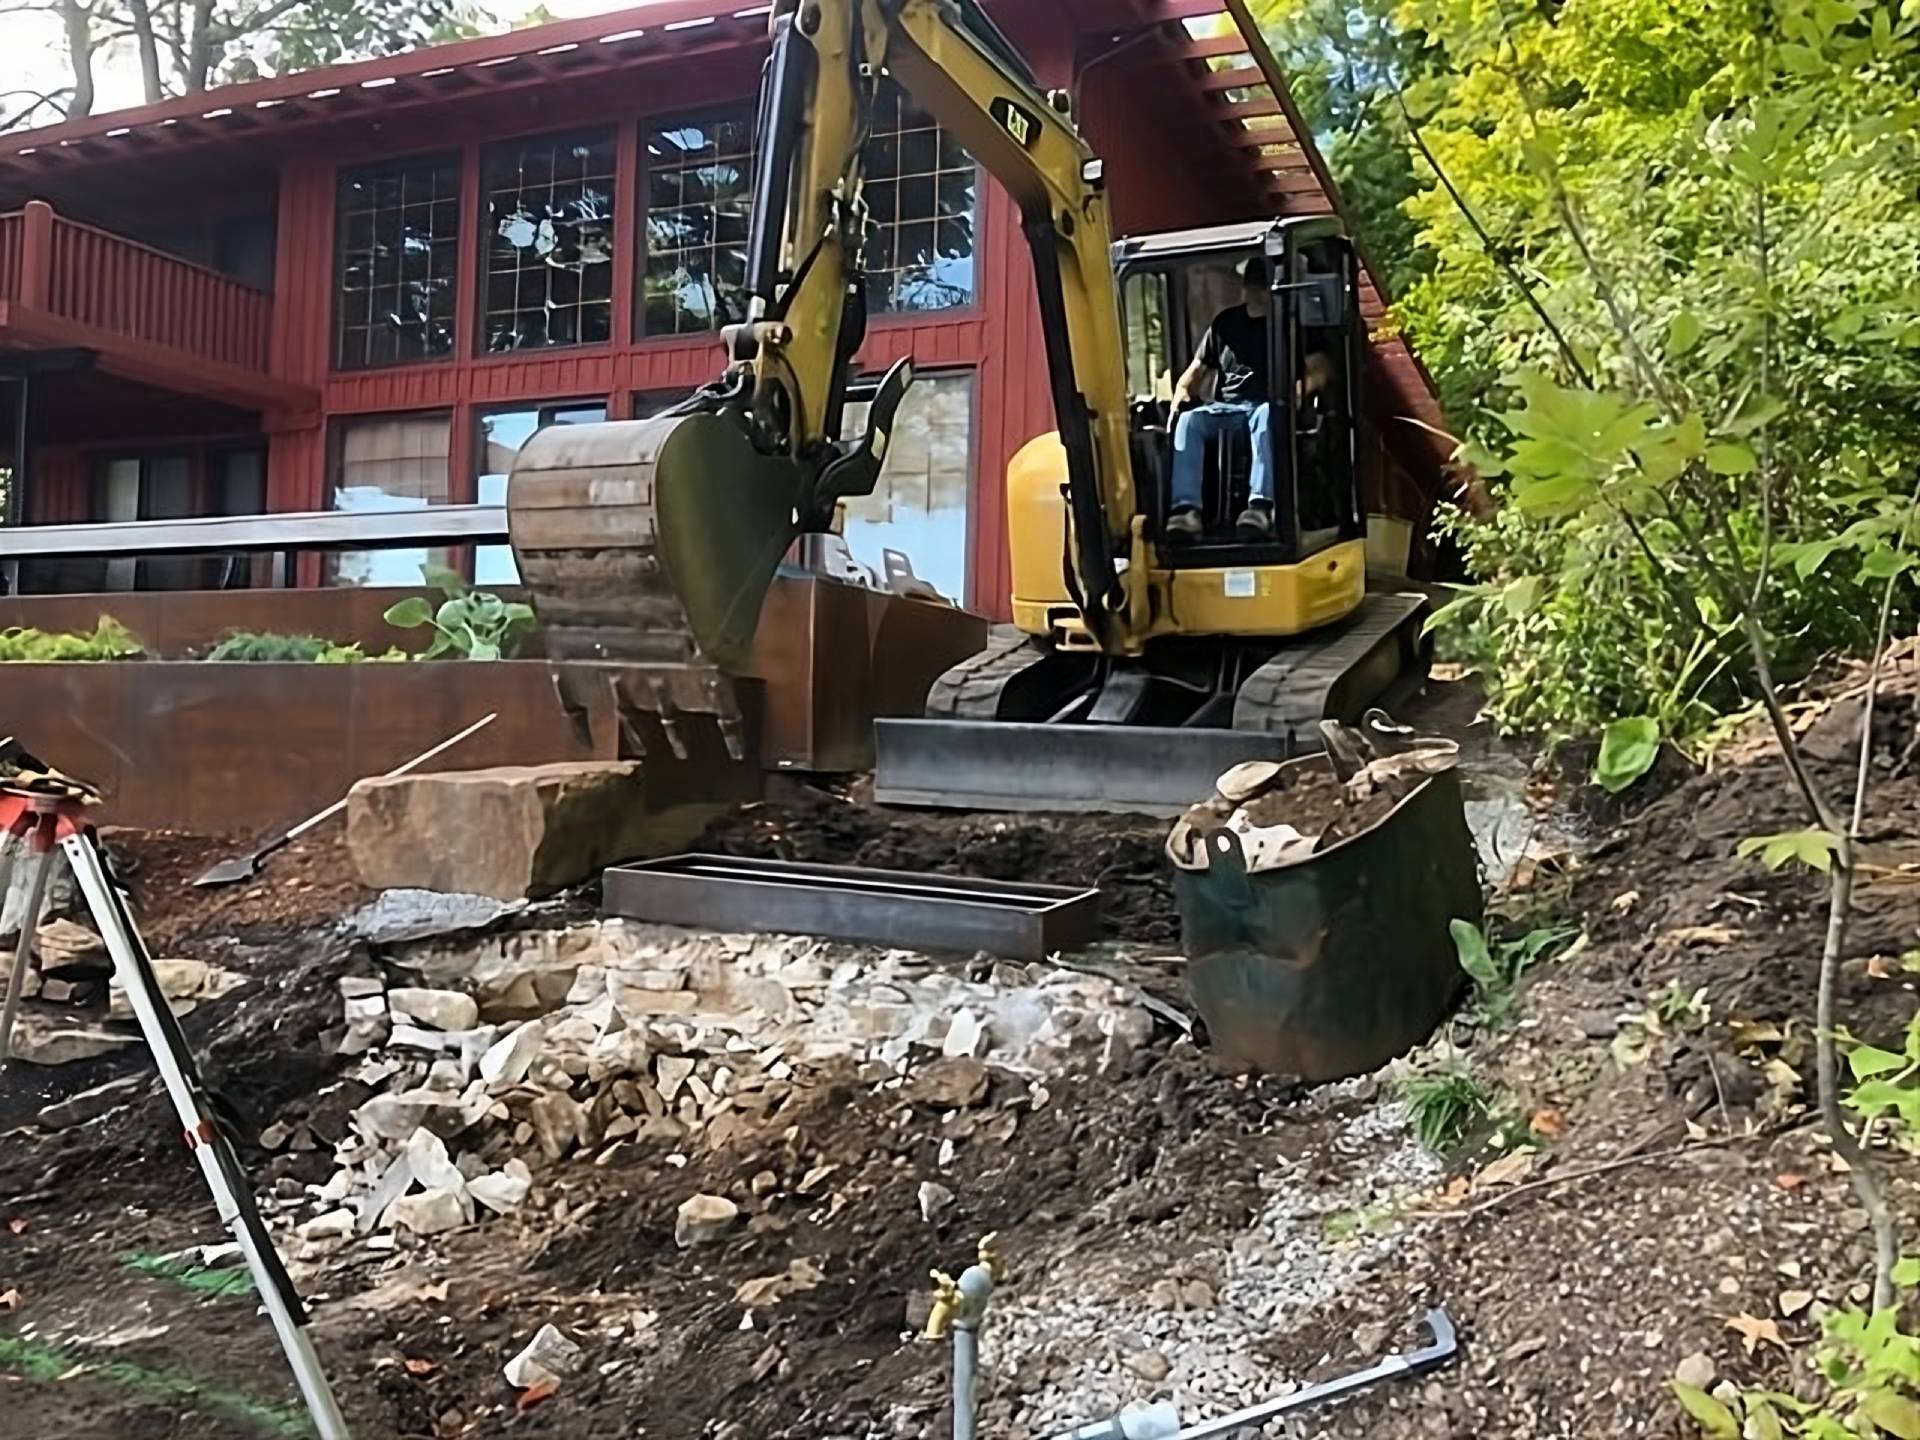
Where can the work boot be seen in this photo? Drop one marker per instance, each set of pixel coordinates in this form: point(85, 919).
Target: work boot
point(1183, 526)
point(1256, 521)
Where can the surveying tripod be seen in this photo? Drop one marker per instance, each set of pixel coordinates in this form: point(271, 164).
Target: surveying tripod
point(43, 808)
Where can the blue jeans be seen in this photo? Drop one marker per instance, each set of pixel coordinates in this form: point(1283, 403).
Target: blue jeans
point(1198, 428)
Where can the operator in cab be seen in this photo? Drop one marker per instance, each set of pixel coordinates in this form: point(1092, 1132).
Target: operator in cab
point(1233, 353)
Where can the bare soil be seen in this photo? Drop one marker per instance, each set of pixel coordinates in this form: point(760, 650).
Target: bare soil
point(1122, 856)
point(1576, 1297)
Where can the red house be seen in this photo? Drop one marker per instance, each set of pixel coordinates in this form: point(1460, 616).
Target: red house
point(365, 286)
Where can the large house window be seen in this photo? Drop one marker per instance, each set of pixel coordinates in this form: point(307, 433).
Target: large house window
point(395, 259)
point(919, 508)
point(550, 209)
point(148, 487)
point(699, 190)
point(502, 433)
point(920, 192)
point(389, 462)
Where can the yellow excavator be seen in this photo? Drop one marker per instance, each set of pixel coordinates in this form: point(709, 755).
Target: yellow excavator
point(1136, 669)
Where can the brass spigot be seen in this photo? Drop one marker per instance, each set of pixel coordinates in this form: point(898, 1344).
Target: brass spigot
point(946, 1299)
point(992, 1256)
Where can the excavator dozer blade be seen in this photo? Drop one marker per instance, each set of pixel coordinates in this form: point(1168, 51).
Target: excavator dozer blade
point(968, 758)
point(1009, 765)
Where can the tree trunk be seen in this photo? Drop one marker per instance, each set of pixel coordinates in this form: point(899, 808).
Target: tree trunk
point(200, 47)
point(79, 24)
point(149, 50)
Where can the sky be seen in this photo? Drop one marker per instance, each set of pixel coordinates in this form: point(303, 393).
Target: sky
point(35, 58)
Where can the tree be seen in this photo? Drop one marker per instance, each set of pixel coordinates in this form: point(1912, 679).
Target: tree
point(184, 46)
point(1697, 292)
point(1344, 61)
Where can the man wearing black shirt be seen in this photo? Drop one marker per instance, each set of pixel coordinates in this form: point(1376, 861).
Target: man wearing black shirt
point(1234, 350)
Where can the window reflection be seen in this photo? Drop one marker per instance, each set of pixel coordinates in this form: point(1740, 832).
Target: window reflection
point(501, 435)
point(550, 218)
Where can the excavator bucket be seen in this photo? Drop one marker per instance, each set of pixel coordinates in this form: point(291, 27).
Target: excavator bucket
point(651, 540)
point(727, 514)
point(647, 548)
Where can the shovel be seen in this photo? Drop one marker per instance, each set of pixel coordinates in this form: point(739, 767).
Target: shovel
point(244, 867)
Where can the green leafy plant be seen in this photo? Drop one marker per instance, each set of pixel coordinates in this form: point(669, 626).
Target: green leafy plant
point(1868, 1365)
point(1628, 749)
point(268, 647)
point(1496, 967)
point(1812, 847)
point(109, 640)
point(1443, 1104)
point(1885, 1085)
point(469, 623)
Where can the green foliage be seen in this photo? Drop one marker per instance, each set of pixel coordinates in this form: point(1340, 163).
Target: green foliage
point(110, 640)
point(271, 647)
point(1714, 205)
point(1885, 1085)
point(1343, 60)
point(1443, 1105)
point(1868, 1367)
point(1496, 968)
point(1628, 749)
point(1811, 847)
point(469, 623)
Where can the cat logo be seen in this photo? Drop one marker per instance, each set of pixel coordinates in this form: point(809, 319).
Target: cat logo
point(1023, 125)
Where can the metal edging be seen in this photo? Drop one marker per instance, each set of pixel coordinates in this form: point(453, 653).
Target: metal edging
point(901, 908)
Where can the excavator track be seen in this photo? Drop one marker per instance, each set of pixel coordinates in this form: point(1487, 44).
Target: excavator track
point(1336, 673)
point(987, 743)
point(975, 689)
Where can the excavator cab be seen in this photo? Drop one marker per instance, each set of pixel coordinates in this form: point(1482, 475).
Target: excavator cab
point(1171, 286)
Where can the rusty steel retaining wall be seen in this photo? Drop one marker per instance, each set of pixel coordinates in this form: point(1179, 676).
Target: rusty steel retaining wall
point(245, 746)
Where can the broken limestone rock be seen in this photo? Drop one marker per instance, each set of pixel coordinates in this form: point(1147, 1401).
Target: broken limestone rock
point(70, 950)
point(511, 1056)
point(559, 1123)
point(40, 1043)
point(397, 916)
point(548, 1359)
point(702, 1219)
point(90, 1104)
point(431, 1212)
point(510, 832)
point(428, 1159)
point(185, 983)
point(334, 1225)
point(504, 1189)
point(435, 1009)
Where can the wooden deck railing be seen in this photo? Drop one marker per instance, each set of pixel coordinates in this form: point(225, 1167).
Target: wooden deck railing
point(97, 278)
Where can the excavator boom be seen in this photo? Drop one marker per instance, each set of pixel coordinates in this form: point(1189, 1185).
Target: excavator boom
point(654, 542)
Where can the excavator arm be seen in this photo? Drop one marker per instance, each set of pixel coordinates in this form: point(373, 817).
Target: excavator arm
point(791, 358)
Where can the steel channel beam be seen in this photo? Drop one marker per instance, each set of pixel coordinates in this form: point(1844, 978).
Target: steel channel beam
point(303, 530)
point(1016, 920)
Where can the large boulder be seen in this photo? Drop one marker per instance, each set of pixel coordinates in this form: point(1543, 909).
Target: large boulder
point(513, 831)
